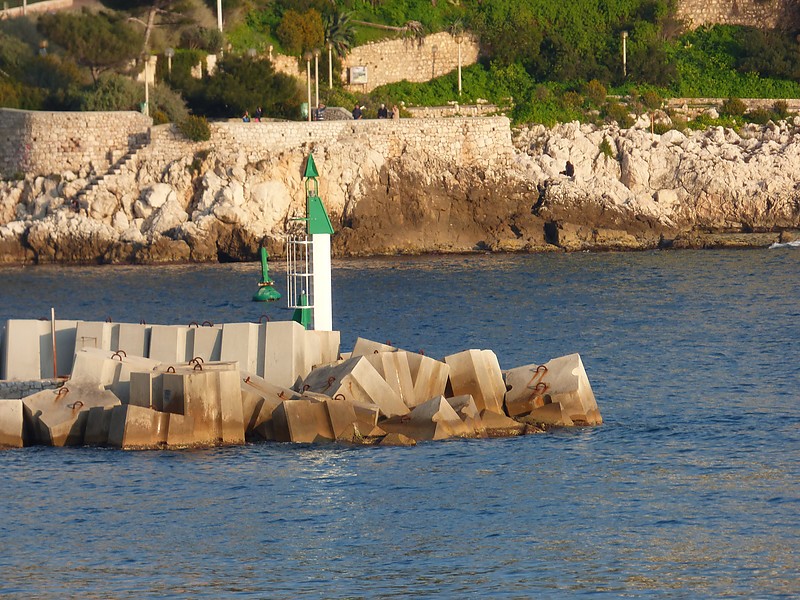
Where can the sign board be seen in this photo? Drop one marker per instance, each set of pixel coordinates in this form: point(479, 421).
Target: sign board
point(358, 75)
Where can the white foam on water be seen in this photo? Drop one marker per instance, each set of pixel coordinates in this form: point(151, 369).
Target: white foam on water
point(794, 244)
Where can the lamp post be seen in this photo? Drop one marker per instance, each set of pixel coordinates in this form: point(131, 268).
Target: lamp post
point(219, 15)
point(307, 56)
point(459, 39)
point(169, 53)
point(434, 50)
point(146, 110)
point(624, 53)
point(317, 52)
point(330, 65)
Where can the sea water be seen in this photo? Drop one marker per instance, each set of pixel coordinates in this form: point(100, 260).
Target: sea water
point(691, 487)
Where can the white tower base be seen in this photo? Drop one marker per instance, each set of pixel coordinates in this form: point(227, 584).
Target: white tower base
point(323, 295)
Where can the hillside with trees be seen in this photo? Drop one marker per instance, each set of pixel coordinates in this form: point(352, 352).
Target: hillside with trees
point(542, 60)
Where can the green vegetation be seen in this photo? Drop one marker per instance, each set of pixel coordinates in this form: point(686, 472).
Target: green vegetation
point(195, 128)
point(542, 61)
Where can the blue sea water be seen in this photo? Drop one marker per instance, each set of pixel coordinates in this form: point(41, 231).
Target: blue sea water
point(691, 487)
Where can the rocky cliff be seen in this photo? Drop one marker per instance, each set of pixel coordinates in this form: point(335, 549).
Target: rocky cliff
point(460, 185)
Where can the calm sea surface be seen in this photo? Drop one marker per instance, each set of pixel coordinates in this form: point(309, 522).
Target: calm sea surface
point(690, 489)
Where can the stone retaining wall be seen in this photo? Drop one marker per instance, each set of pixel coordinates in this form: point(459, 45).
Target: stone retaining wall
point(36, 7)
point(395, 60)
point(14, 390)
point(55, 142)
point(768, 14)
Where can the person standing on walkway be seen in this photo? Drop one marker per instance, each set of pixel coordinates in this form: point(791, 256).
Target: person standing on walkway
point(357, 114)
point(383, 112)
point(395, 113)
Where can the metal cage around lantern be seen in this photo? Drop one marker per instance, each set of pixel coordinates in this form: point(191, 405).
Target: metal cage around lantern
point(299, 272)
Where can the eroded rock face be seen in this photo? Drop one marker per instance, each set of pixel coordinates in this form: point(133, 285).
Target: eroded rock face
point(623, 189)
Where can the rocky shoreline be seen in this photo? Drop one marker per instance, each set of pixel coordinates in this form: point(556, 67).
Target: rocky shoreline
point(570, 188)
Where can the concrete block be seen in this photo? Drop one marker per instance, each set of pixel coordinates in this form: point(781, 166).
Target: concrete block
point(95, 368)
point(431, 420)
point(343, 420)
point(467, 410)
point(364, 346)
point(356, 380)
point(500, 425)
point(205, 342)
point(146, 390)
point(131, 338)
point(477, 373)
point(181, 432)
point(137, 427)
point(552, 413)
point(168, 344)
point(240, 343)
point(429, 376)
point(302, 421)
point(393, 367)
point(284, 354)
point(98, 425)
point(59, 417)
point(28, 349)
point(397, 439)
point(93, 334)
point(212, 398)
point(562, 380)
point(329, 342)
point(12, 425)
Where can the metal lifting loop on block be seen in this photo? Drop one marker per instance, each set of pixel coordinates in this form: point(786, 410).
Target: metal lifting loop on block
point(117, 355)
point(62, 391)
point(198, 367)
point(75, 405)
point(208, 324)
point(194, 324)
point(170, 369)
point(340, 396)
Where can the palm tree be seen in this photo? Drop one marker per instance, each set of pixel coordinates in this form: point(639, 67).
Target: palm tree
point(339, 32)
point(412, 29)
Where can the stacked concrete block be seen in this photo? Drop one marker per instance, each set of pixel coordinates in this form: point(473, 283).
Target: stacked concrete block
point(431, 420)
point(59, 417)
point(259, 399)
point(93, 334)
point(329, 342)
point(205, 343)
point(168, 343)
point(393, 367)
point(302, 421)
point(364, 346)
point(146, 389)
point(500, 425)
point(477, 373)
point(240, 343)
point(131, 338)
point(137, 427)
point(562, 380)
point(109, 370)
point(467, 410)
point(356, 380)
point(429, 376)
point(12, 425)
point(211, 398)
point(98, 424)
point(284, 353)
point(28, 349)
point(552, 413)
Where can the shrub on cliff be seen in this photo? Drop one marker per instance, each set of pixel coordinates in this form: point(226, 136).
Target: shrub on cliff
point(733, 107)
point(195, 128)
point(298, 32)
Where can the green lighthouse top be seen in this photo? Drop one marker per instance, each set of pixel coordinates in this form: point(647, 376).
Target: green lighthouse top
point(311, 167)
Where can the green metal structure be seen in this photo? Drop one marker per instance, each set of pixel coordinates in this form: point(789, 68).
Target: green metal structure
point(266, 287)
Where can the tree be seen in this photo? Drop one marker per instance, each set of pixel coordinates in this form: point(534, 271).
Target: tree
point(170, 13)
point(301, 31)
point(339, 32)
point(98, 41)
point(241, 83)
